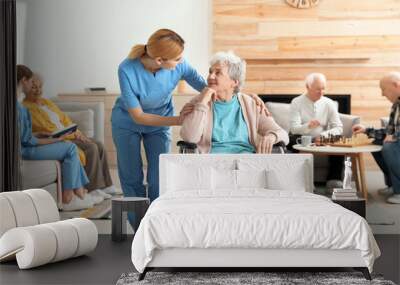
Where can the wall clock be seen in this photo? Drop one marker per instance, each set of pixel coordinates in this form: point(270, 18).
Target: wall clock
point(302, 4)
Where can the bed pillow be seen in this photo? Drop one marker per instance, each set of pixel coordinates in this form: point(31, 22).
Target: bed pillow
point(224, 179)
point(189, 177)
point(294, 180)
point(251, 178)
point(287, 173)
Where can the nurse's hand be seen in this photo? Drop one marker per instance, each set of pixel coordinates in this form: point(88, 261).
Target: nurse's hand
point(260, 103)
point(207, 94)
point(180, 118)
point(187, 109)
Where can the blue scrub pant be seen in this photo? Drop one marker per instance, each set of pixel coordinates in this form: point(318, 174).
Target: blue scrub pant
point(73, 174)
point(130, 166)
point(391, 156)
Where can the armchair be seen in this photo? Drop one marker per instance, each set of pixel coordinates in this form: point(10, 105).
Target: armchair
point(46, 174)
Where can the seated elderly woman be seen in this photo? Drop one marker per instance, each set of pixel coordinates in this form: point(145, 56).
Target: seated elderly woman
point(35, 148)
point(223, 120)
point(47, 118)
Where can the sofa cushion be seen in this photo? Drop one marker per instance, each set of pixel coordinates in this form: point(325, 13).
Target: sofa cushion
point(281, 114)
point(8, 220)
point(84, 120)
point(53, 191)
point(38, 173)
point(26, 208)
point(23, 208)
point(45, 207)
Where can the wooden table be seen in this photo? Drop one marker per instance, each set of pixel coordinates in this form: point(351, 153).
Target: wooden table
point(357, 159)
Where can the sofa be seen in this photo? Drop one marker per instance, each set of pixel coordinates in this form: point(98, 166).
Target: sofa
point(46, 174)
point(281, 114)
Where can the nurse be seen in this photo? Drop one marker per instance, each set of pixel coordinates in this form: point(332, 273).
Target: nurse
point(144, 111)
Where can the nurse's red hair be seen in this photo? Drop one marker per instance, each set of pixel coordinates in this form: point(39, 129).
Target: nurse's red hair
point(163, 43)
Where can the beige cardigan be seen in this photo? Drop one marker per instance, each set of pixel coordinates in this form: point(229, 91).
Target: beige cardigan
point(197, 126)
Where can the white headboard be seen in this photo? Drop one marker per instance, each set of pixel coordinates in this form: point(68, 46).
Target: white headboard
point(284, 166)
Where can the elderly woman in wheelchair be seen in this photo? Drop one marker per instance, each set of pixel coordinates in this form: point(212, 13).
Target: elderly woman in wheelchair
point(221, 119)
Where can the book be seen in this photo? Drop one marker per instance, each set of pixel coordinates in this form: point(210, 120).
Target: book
point(344, 198)
point(96, 90)
point(345, 194)
point(341, 190)
point(335, 196)
point(70, 129)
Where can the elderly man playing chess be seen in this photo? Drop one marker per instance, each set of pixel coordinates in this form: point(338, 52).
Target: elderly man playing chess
point(316, 115)
point(389, 158)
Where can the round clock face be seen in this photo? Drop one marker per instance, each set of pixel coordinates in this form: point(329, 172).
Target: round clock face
point(302, 4)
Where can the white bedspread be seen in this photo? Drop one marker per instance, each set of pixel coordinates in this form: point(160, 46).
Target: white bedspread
point(250, 218)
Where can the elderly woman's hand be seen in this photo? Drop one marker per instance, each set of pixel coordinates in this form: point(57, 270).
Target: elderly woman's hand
point(80, 136)
point(207, 94)
point(259, 102)
point(62, 138)
point(42, 135)
point(266, 143)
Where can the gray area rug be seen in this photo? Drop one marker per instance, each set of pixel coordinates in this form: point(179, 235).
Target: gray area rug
point(243, 278)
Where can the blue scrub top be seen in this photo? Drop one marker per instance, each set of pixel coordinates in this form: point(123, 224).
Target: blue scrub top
point(230, 132)
point(151, 92)
point(25, 129)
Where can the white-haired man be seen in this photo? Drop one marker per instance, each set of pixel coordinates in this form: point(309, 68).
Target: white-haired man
point(316, 115)
point(389, 158)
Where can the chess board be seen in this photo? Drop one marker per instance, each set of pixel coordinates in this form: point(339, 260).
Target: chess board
point(354, 141)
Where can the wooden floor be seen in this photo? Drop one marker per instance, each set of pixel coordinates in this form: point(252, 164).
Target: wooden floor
point(110, 260)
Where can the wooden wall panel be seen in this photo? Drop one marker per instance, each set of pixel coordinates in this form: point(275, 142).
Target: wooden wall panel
point(354, 43)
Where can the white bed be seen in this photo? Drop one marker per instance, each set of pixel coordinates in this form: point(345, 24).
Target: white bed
point(247, 211)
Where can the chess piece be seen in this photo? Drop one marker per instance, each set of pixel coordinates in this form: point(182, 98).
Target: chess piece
point(347, 174)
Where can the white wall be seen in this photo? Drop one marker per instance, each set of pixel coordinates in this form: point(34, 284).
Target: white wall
point(75, 44)
point(21, 18)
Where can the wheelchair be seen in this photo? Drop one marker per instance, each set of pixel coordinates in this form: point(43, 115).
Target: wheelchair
point(187, 147)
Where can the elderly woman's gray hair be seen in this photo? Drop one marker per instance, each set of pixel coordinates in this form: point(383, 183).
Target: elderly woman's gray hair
point(236, 66)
